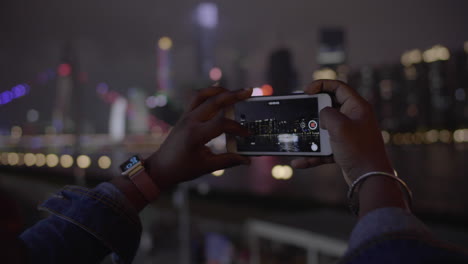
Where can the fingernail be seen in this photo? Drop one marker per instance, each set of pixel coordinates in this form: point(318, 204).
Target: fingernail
point(246, 92)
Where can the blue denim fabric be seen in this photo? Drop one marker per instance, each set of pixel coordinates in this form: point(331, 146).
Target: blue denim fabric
point(85, 225)
point(392, 235)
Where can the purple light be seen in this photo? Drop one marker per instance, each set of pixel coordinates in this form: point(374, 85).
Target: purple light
point(16, 92)
point(42, 78)
point(6, 96)
point(19, 90)
point(207, 15)
point(102, 88)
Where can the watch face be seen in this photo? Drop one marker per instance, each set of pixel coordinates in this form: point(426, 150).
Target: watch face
point(130, 163)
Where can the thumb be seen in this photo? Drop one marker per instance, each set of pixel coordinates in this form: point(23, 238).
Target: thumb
point(334, 121)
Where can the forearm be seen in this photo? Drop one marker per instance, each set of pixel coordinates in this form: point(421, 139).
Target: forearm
point(378, 192)
point(130, 191)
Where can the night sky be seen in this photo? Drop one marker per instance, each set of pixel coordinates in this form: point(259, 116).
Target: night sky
point(115, 40)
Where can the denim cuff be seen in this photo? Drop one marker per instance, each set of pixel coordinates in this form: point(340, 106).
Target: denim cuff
point(102, 212)
point(384, 221)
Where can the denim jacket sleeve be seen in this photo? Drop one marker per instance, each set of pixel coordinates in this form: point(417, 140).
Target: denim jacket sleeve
point(84, 226)
point(392, 235)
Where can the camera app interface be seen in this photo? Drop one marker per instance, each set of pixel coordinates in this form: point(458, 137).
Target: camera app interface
point(290, 125)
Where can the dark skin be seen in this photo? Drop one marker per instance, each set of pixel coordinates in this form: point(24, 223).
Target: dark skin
point(357, 146)
point(354, 137)
point(184, 156)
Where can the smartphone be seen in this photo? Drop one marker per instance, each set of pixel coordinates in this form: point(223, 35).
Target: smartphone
point(281, 125)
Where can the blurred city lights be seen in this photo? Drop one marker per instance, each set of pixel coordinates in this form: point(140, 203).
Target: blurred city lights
point(432, 136)
point(324, 74)
point(52, 160)
point(207, 15)
point(281, 172)
point(165, 43)
point(21, 159)
point(29, 159)
point(15, 92)
point(13, 158)
point(66, 161)
point(102, 88)
point(156, 101)
point(4, 158)
point(267, 90)
point(257, 92)
point(386, 136)
point(445, 136)
point(411, 57)
point(436, 53)
point(218, 173)
point(64, 69)
point(32, 115)
point(460, 135)
point(151, 102)
point(16, 132)
point(40, 159)
point(83, 161)
point(216, 74)
point(104, 162)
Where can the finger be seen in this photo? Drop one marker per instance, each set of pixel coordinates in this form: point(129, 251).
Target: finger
point(333, 120)
point(206, 93)
point(220, 125)
point(304, 163)
point(341, 90)
point(211, 107)
point(227, 160)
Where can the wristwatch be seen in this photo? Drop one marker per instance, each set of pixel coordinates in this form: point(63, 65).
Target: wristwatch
point(134, 169)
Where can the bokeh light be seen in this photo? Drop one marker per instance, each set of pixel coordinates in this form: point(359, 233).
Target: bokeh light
point(32, 115)
point(207, 15)
point(13, 158)
point(66, 161)
point(282, 172)
point(218, 173)
point(104, 162)
point(165, 43)
point(216, 74)
point(52, 160)
point(16, 132)
point(257, 92)
point(325, 74)
point(83, 161)
point(40, 159)
point(64, 69)
point(267, 90)
point(29, 159)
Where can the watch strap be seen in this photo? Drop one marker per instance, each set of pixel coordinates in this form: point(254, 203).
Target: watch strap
point(144, 183)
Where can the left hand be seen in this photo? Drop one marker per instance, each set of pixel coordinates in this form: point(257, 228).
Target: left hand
point(184, 155)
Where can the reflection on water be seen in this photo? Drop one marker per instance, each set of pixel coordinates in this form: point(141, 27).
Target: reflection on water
point(279, 143)
point(288, 142)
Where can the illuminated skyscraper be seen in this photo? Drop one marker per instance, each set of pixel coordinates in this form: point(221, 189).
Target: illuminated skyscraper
point(206, 17)
point(63, 114)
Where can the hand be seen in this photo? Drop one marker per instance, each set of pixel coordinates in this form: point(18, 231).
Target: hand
point(184, 156)
point(355, 137)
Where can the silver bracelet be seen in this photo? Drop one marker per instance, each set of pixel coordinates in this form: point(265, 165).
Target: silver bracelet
point(354, 206)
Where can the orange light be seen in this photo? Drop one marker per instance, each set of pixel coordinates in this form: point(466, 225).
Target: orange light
point(267, 89)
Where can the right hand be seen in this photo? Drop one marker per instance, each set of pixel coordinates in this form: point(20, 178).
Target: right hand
point(355, 137)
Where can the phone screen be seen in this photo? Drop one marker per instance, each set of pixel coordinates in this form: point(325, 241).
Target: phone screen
point(286, 125)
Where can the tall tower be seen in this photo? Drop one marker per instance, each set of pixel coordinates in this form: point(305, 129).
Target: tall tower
point(64, 113)
point(206, 17)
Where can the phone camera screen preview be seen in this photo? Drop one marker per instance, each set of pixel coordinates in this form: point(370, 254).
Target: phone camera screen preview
point(290, 125)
